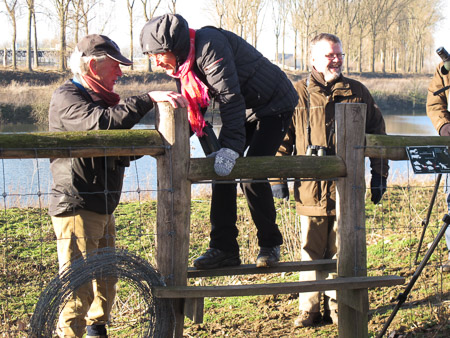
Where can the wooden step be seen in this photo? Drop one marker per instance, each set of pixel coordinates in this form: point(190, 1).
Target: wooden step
point(348, 283)
point(248, 269)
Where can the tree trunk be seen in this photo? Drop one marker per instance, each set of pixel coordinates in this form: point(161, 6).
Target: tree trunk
point(14, 41)
point(62, 45)
point(131, 38)
point(36, 51)
point(374, 40)
point(29, 58)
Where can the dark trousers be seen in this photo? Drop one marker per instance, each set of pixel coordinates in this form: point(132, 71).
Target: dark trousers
point(263, 138)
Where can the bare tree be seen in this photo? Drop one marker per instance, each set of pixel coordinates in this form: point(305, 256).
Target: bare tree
point(351, 10)
point(130, 5)
point(307, 10)
point(62, 11)
point(173, 6)
point(30, 5)
point(276, 15)
point(149, 10)
point(11, 8)
point(256, 8)
point(36, 51)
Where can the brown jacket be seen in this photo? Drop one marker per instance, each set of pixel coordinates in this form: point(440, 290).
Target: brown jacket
point(437, 106)
point(319, 198)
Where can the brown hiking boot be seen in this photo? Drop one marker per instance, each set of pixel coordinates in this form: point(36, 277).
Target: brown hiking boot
point(306, 319)
point(446, 267)
point(330, 317)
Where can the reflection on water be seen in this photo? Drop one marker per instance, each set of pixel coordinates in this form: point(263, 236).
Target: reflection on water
point(409, 125)
point(22, 181)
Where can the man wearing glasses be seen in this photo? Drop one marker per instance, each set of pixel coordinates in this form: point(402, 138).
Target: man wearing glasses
point(312, 132)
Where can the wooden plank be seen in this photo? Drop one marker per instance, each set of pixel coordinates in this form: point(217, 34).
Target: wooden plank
point(355, 299)
point(350, 216)
point(393, 146)
point(322, 167)
point(275, 288)
point(248, 269)
point(94, 143)
point(173, 204)
point(193, 309)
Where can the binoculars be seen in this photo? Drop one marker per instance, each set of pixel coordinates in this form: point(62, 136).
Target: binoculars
point(446, 58)
point(313, 150)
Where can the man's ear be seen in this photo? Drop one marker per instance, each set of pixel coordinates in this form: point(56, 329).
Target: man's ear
point(92, 66)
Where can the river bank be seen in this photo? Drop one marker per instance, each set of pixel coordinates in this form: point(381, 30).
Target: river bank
point(25, 96)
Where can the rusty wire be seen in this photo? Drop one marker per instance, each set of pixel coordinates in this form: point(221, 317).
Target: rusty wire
point(103, 263)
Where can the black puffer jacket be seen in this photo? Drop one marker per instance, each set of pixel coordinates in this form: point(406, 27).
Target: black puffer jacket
point(237, 75)
point(93, 184)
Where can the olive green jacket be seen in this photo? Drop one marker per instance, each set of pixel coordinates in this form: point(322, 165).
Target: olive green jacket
point(437, 106)
point(315, 198)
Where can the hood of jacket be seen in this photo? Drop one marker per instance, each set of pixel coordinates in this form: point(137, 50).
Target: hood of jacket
point(169, 32)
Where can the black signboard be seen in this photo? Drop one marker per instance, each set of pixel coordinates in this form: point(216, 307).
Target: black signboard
point(429, 159)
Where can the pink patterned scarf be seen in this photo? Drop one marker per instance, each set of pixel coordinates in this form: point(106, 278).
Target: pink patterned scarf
point(195, 91)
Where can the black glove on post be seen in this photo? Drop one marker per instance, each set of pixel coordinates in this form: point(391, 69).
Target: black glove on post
point(445, 130)
point(280, 191)
point(378, 185)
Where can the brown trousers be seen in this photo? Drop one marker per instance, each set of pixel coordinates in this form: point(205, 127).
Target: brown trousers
point(318, 241)
point(77, 235)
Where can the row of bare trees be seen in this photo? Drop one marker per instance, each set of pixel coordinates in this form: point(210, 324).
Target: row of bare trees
point(378, 35)
point(398, 33)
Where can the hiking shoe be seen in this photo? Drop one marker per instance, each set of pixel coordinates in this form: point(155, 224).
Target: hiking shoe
point(330, 317)
point(306, 319)
point(215, 258)
point(446, 266)
point(268, 256)
point(96, 331)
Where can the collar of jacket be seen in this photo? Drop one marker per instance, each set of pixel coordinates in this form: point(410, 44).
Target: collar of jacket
point(339, 88)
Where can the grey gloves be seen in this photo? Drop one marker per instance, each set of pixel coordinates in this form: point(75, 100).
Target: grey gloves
point(225, 159)
point(280, 191)
point(378, 185)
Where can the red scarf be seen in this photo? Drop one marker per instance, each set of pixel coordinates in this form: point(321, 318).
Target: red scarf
point(195, 91)
point(106, 95)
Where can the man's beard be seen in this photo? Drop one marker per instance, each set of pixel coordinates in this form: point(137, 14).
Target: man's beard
point(332, 76)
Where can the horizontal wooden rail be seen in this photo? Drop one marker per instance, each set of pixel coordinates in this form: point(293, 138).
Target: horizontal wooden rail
point(347, 283)
point(321, 167)
point(94, 143)
point(393, 146)
point(247, 269)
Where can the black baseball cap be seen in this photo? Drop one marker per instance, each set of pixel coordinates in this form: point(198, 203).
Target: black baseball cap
point(99, 45)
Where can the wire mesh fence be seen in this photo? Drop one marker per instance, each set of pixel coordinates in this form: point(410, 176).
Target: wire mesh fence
point(29, 260)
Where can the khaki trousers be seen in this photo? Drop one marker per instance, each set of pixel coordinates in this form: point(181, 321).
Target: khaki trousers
point(78, 234)
point(318, 241)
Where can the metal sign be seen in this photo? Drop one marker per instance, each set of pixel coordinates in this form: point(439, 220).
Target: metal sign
point(429, 159)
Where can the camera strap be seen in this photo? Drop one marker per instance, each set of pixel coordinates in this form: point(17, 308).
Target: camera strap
point(308, 100)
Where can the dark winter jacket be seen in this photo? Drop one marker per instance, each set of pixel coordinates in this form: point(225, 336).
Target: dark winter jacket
point(237, 75)
point(318, 198)
point(93, 184)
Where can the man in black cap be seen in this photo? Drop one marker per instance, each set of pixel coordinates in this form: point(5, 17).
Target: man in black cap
point(256, 102)
point(86, 191)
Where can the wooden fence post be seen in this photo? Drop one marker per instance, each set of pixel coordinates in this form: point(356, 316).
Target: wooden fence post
point(174, 203)
point(350, 215)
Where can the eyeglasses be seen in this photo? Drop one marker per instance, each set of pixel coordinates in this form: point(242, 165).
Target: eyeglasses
point(340, 56)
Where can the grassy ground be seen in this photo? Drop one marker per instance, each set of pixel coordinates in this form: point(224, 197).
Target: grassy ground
point(28, 261)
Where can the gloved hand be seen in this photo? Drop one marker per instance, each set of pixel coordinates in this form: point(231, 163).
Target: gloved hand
point(378, 185)
point(225, 161)
point(280, 191)
point(445, 130)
